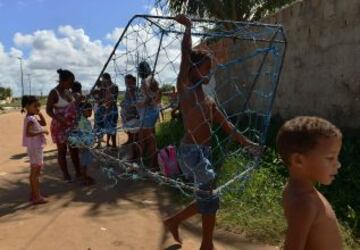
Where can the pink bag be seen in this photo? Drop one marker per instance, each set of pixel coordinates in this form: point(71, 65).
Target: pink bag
point(167, 161)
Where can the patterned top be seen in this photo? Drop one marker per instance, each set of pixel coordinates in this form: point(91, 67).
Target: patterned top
point(84, 125)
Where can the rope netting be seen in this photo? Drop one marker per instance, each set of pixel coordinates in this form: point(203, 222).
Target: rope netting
point(246, 63)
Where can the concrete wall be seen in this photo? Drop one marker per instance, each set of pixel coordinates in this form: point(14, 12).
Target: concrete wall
point(321, 74)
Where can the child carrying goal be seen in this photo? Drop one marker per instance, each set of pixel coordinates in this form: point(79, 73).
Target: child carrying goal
point(199, 112)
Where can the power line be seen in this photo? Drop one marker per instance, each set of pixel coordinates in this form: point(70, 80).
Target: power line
point(22, 75)
point(29, 77)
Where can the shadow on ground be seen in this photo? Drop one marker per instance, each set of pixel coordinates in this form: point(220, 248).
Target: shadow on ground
point(139, 194)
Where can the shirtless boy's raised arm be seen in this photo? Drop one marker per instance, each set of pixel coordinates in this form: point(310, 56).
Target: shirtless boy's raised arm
point(229, 128)
point(186, 47)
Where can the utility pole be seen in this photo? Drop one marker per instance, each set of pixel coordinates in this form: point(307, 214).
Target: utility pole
point(115, 67)
point(22, 75)
point(29, 77)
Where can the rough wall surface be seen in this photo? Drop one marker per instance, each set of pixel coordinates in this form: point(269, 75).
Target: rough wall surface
point(321, 74)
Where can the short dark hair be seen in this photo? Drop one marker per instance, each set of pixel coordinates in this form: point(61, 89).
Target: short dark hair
point(106, 76)
point(144, 69)
point(301, 134)
point(28, 100)
point(76, 87)
point(130, 76)
point(85, 106)
point(65, 75)
point(198, 57)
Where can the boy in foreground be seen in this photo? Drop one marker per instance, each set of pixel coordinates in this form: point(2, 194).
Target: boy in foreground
point(309, 147)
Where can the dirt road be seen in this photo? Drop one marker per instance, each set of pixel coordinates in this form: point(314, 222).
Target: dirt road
point(127, 216)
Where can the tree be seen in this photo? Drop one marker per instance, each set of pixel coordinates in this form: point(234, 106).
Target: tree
point(238, 10)
point(167, 87)
point(5, 93)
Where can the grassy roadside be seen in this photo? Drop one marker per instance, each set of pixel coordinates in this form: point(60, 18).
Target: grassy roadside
point(254, 209)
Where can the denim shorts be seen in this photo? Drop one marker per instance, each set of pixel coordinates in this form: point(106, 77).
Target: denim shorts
point(148, 116)
point(195, 164)
point(85, 157)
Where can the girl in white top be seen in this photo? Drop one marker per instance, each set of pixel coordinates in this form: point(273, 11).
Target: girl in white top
point(62, 109)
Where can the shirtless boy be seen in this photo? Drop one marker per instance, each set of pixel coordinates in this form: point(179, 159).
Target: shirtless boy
point(309, 147)
point(199, 112)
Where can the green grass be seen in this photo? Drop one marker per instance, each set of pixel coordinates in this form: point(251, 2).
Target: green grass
point(254, 207)
point(169, 132)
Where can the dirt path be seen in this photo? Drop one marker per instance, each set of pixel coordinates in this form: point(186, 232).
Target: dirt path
point(127, 216)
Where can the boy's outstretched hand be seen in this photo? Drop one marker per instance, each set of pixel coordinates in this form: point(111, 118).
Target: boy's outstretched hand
point(183, 19)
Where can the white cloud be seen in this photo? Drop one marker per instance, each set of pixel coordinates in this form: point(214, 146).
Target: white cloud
point(49, 50)
point(22, 40)
point(71, 48)
point(115, 34)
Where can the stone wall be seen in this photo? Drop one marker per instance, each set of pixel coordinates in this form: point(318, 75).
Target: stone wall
point(321, 74)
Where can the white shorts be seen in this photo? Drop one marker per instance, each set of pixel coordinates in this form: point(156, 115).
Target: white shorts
point(132, 126)
point(36, 157)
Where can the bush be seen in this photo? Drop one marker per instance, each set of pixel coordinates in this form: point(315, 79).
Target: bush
point(253, 207)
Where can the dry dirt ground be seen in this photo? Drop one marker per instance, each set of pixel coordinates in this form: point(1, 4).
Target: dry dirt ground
point(127, 216)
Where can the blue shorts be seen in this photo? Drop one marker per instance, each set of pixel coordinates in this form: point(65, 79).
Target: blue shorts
point(148, 116)
point(111, 119)
point(194, 161)
point(85, 157)
point(100, 119)
point(132, 125)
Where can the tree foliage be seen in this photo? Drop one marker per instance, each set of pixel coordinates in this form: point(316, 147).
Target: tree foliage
point(5, 93)
point(239, 10)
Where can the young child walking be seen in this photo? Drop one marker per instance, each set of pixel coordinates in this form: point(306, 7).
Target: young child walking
point(34, 141)
point(310, 147)
point(199, 112)
point(85, 127)
point(82, 137)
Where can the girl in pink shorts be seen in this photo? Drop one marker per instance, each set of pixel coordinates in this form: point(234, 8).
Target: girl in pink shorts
point(34, 141)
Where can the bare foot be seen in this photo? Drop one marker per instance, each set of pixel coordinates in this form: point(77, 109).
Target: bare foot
point(39, 201)
point(207, 247)
point(32, 197)
point(173, 229)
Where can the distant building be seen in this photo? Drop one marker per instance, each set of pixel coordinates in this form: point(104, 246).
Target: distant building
point(6, 101)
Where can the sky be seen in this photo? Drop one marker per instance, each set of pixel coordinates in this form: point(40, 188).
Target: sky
point(52, 34)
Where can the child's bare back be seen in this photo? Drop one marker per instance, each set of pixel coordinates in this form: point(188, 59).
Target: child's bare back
point(310, 208)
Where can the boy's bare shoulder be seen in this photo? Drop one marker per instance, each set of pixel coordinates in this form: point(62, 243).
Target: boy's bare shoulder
point(301, 202)
point(308, 204)
point(311, 220)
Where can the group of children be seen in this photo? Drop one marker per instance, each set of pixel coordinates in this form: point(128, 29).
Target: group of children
point(308, 146)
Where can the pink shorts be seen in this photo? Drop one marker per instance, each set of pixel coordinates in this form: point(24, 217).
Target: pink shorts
point(36, 157)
